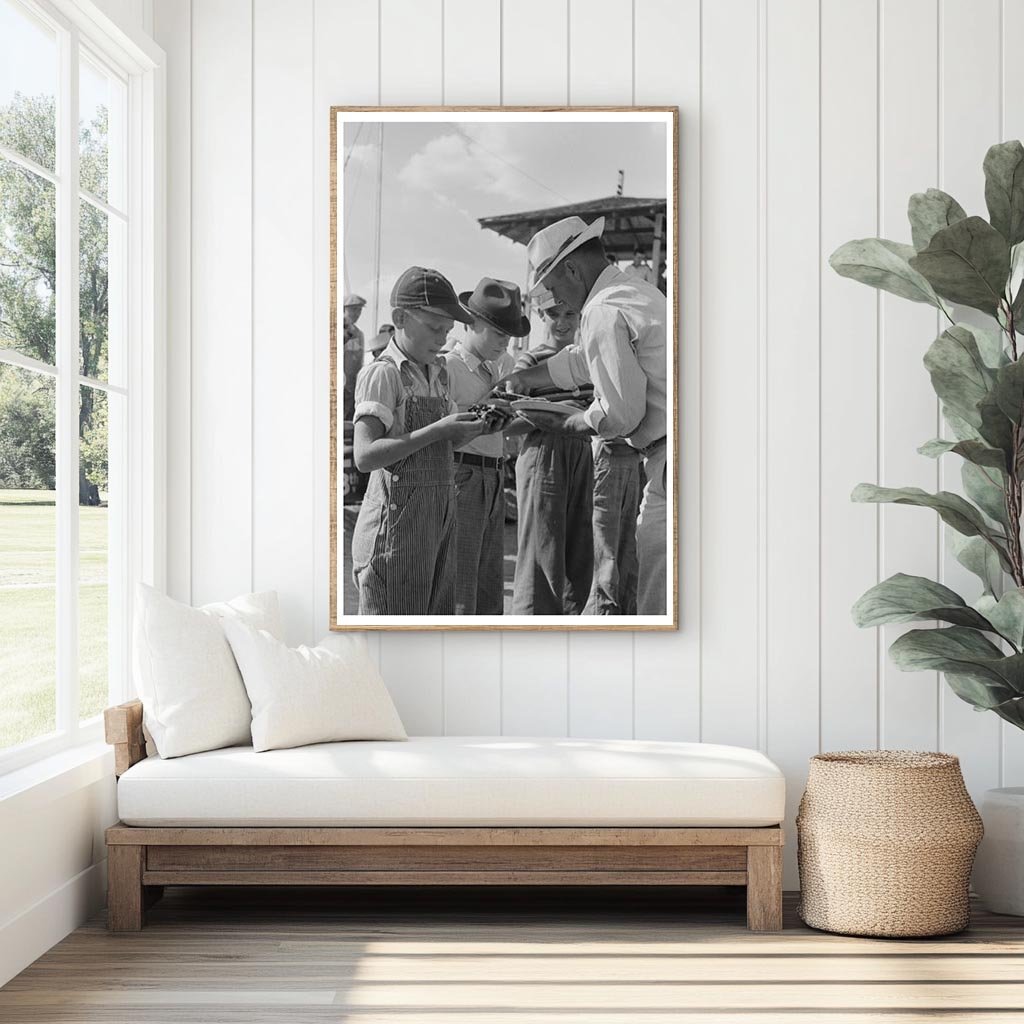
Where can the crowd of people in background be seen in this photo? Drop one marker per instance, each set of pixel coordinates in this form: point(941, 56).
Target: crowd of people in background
point(431, 427)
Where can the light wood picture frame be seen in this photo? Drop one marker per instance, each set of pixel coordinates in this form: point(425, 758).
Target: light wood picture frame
point(459, 189)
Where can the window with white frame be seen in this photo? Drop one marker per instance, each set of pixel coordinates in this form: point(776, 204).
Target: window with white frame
point(68, 373)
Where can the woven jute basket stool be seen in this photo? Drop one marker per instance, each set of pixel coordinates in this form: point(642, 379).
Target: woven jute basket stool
point(885, 843)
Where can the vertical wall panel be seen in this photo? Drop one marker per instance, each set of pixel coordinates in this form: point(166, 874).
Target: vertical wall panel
point(534, 51)
point(600, 52)
point(472, 74)
point(472, 684)
point(535, 65)
point(667, 665)
point(849, 372)
point(601, 666)
point(1012, 127)
point(968, 125)
point(729, 359)
point(221, 377)
point(534, 694)
point(413, 664)
point(411, 44)
point(792, 385)
point(600, 685)
point(173, 31)
point(472, 52)
point(350, 29)
point(283, 309)
point(909, 414)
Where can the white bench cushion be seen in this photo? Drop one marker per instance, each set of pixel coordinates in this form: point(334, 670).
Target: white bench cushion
point(459, 780)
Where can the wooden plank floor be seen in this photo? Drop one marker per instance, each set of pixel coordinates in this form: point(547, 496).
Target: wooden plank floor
point(219, 956)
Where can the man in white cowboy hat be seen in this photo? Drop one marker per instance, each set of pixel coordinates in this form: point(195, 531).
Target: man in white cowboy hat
point(622, 350)
point(352, 350)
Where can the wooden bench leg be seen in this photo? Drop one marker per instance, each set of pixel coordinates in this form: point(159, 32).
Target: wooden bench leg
point(764, 888)
point(125, 897)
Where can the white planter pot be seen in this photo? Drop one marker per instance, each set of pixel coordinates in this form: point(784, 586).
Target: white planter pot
point(999, 866)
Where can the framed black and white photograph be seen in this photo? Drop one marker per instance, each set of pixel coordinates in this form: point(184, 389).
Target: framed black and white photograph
point(503, 368)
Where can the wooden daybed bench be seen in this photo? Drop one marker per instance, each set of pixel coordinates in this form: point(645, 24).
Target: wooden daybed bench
point(444, 811)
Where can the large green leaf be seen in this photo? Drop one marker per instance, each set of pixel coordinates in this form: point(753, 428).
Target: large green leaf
point(932, 211)
point(1009, 390)
point(954, 510)
point(1015, 285)
point(985, 487)
point(982, 693)
point(1011, 711)
point(903, 598)
point(958, 369)
point(976, 555)
point(883, 264)
point(973, 451)
point(1004, 189)
point(996, 427)
point(1006, 614)
point(964, 652)
point(990, 345)
point(962, 430)
point(967, 263)
point(958, 372)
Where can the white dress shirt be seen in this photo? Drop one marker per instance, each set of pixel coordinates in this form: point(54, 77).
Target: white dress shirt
point(623, 330)
point(469, 379)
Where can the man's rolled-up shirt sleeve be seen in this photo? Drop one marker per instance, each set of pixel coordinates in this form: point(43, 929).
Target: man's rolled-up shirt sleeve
point(377, 394)
point(620, 384)
point(568, 368)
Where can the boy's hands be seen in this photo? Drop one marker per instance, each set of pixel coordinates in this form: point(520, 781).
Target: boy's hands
point(459, 427)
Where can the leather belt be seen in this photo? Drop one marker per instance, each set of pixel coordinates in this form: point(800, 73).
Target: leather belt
point(478, 460)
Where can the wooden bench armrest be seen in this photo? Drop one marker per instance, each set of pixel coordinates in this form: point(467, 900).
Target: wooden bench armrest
point(122, 728)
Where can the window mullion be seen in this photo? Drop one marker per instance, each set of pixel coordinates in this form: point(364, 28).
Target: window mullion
point(67, 386)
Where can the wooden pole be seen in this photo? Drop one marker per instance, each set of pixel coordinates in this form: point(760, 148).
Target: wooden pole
point(376, 249)
point(656, 249)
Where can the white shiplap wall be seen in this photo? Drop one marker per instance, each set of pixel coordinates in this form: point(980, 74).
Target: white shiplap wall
point(803, 123)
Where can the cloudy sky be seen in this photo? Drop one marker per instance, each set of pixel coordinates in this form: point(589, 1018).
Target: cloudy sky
point(29, 63)
point(439, 177)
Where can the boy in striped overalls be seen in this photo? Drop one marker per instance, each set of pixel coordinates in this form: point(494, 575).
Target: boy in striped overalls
point(406, 424)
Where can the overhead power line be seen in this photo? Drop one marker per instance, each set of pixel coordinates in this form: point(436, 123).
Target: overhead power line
point(351, 149)
point(518, 170)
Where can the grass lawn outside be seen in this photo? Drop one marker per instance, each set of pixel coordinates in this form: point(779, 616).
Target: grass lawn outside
point(28, 613)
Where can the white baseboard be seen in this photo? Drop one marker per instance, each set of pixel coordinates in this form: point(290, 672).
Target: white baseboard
point(28, 936)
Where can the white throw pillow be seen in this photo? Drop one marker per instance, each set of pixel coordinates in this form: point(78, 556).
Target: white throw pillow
point(192, 693)
point(309, 694)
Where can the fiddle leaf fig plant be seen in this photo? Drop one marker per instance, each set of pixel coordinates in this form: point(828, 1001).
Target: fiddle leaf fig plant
point(978, 375)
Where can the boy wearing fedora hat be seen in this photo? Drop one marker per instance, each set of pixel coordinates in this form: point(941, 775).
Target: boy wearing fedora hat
point(405, 427)
point(475, 365)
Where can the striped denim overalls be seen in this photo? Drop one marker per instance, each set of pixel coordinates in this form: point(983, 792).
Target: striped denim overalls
point(403, 545)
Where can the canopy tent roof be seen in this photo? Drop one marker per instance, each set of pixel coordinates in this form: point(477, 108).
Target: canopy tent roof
point(629, 223)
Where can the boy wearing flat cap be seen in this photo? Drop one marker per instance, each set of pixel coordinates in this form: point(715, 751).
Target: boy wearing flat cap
point(406, 424)
point(475, 365)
